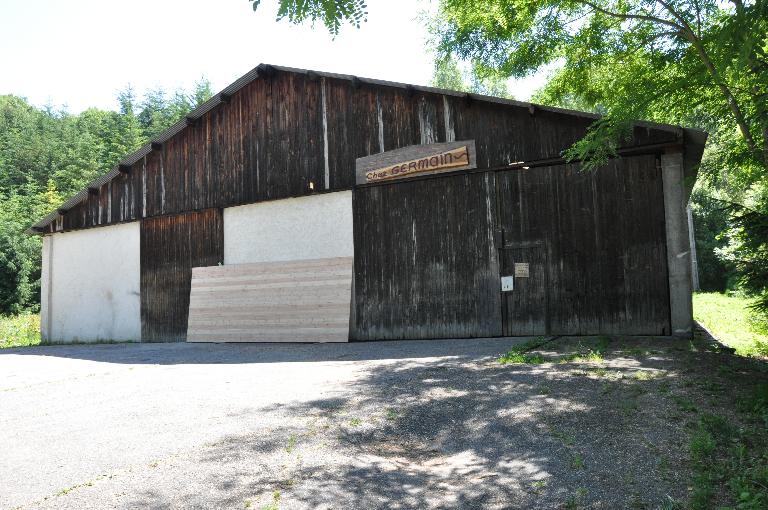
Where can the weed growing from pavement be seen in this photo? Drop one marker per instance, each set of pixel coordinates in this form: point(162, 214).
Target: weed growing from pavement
point(572, 503)
point(566, 438)
point(390, 414)
point(292, 439)
point(519, 353)
point(590, 355)
point(522, 358)
point(577, 461)
point(275, 504)
point(355, 422)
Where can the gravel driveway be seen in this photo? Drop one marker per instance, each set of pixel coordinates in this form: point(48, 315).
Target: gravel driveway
point(431, 424)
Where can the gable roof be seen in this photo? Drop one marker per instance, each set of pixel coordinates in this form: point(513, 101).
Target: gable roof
point(266, 70)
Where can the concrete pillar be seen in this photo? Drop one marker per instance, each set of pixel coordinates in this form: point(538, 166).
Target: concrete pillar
point(678, 245)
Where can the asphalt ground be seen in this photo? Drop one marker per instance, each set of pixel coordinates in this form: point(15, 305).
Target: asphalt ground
point(405, 424)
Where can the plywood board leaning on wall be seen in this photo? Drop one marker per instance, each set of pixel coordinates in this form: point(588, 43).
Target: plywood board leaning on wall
point(294, 301)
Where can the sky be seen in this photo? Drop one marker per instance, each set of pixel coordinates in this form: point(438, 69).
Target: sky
point(75, 54)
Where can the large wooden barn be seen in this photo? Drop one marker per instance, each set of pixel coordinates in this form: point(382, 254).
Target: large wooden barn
point(307, 206)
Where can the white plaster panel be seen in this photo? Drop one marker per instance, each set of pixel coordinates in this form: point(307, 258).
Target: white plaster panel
point(313, 227)
point(93, 284)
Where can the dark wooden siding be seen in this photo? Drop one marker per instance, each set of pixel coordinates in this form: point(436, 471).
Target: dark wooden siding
point(268, 142)
point(603, 235)
point(170, 247)
point(425, 261)
point(429, 254)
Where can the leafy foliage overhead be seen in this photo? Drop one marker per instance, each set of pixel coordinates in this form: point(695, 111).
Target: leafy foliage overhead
point(333, 13)
point(694, 61)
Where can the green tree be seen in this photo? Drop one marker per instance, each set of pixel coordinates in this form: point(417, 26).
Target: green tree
point(20, 253)
point(717, 273)
point(47, 155)
point(159, 112)
point(448, 75)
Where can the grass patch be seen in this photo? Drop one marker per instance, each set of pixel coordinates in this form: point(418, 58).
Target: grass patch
point(595, 354)
point(591, 355)
point(522, 357)
point(730, 462)
point(729, 319)
point(19, 330)
point(519, 353)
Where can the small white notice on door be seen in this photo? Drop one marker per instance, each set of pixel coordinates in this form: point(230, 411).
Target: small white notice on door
point(507, 283)
point(521, 269)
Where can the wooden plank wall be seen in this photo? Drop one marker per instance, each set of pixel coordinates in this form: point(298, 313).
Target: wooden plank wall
point(604, 237)
point(426, 264)
point(170, 247)
point(278, 134)
point(294, 301)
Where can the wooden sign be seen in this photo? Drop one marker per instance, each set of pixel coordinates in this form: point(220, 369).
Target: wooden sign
point(416, 160)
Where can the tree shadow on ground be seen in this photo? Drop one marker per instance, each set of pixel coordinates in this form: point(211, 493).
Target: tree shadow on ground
point(472, 433)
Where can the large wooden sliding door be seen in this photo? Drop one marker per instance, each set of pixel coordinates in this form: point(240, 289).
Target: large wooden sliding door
point(588, 247)
point(426, 263)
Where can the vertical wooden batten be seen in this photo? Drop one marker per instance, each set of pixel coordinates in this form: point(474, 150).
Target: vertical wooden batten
point(326, 168)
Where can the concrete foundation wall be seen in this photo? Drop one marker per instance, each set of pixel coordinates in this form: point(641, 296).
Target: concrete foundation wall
point(312, 227)
point(90, 285)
